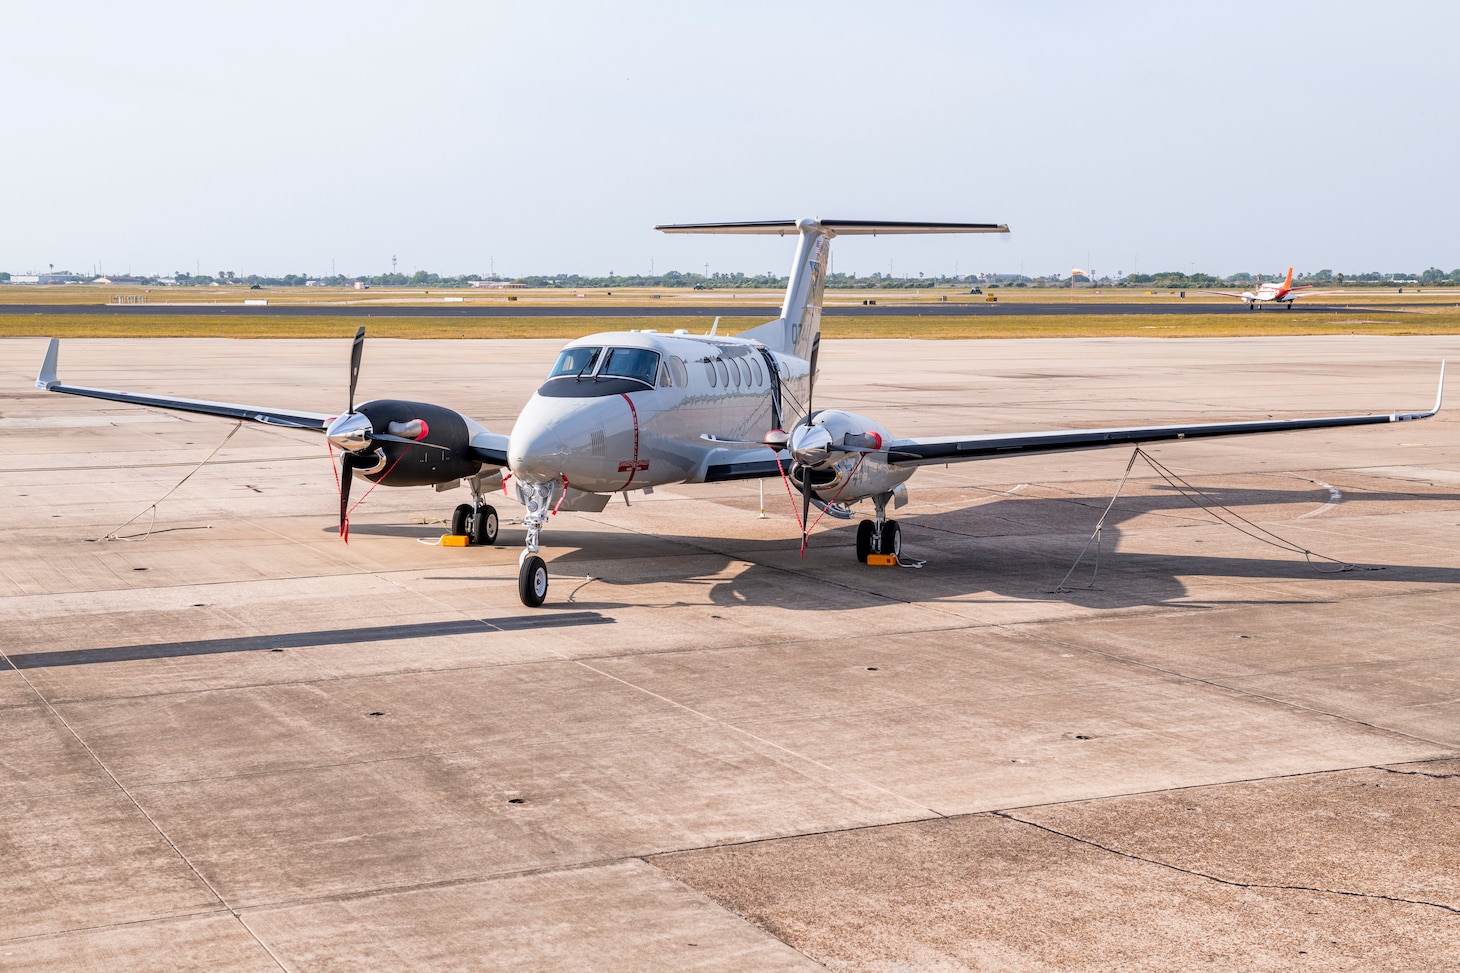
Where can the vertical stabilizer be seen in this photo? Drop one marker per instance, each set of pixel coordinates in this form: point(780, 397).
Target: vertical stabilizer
point(798, 330)
point(800, 321)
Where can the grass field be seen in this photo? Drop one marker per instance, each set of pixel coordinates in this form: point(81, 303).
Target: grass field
point(384, 297)
point(1412, 321)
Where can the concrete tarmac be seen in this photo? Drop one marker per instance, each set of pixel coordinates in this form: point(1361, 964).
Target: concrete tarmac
point(234, 743)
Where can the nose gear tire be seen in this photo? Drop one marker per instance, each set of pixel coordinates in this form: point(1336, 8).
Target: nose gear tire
point(532, 581)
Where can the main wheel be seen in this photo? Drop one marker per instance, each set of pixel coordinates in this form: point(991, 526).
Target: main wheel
point(484, 526)
point(461, 518)
point(532, 581)
point(864, 540)
point(891, 538)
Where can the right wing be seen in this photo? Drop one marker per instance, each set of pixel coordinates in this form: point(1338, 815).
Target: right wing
point(1224, 294)
point(275, 417)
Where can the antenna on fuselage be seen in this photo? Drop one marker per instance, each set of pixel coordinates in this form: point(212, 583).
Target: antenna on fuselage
point(714, 327)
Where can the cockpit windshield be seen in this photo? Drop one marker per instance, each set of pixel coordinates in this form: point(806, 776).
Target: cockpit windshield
point(631, 363)
point(588, 372)
point(577, 362)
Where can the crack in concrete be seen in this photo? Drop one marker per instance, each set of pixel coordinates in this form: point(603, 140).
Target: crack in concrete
point(1416, 773)
point(1218, 879)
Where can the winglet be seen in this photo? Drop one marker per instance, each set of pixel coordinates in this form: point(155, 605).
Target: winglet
point(1440, 395)
point(47, 378)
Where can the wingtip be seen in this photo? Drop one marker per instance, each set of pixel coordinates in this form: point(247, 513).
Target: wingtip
point(1440, 394)
point(47, 378)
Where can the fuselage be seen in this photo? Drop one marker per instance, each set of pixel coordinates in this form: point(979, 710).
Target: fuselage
point(626, 410)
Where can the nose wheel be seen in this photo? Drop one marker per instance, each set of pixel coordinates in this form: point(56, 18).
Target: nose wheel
point(532, 581)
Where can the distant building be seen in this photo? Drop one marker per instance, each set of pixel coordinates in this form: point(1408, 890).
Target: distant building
point(499, 284)
point(45, 279)
point(119, 280)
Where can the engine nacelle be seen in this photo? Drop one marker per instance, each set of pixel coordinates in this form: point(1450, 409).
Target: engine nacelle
point(444, 453)
point(843, 457)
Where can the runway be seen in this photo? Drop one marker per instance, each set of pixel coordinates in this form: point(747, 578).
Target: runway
point(669, 310)
point(235, 743)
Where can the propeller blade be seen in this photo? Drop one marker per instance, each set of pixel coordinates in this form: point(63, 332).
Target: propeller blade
point(805, 472)
point(347, 474)
point(355, 352)
point(805, 511)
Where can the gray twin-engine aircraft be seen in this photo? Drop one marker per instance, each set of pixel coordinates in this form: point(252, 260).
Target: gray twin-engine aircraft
point(624, 411)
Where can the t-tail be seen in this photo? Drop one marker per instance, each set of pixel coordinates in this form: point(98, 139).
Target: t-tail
point(798, 330)
point(1288, 283)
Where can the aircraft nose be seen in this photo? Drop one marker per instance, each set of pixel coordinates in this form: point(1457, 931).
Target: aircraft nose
point(557, 437)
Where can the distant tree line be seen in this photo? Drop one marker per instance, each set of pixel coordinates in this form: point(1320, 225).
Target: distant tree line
point(1169, 279)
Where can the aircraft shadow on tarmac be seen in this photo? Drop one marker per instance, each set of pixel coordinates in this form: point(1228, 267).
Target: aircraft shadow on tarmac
point(1015, 548)
point(294, 640)
point(1021, 547)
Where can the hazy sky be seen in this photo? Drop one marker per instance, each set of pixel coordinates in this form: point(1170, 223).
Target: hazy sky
point(292, 137)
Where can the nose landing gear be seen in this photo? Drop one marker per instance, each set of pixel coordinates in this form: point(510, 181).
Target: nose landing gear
point(532, 576)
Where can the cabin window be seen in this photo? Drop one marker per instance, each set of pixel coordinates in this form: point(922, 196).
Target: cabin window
point(724, 375)
point(710, 371)
point(755, 370)
point(576, 362)
point(636, 363)
point(678, 372)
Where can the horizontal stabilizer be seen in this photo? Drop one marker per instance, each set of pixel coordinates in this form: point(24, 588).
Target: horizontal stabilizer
point(834, 227)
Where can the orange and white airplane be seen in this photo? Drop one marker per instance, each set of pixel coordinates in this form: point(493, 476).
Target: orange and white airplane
point(1284, 293)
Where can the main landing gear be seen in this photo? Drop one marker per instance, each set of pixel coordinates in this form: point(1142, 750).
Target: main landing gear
point(477, 520)
point(879, 536)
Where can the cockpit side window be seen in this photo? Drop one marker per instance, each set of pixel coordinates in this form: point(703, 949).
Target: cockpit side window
point(631, 363)
point(576, 362)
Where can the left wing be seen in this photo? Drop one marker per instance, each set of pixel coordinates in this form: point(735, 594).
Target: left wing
point(275, 417)
point(918, 452)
